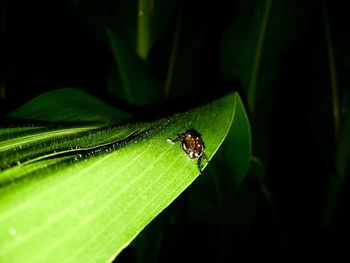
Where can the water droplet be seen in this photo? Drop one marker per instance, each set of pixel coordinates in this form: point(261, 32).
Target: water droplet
point(12, 231)
point(140, 12)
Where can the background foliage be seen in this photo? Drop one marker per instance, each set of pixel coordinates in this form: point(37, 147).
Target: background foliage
point(289, 62)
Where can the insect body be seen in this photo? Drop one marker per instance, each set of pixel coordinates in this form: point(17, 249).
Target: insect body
point(192, 144)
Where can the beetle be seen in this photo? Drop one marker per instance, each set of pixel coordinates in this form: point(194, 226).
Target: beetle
point(193, 145)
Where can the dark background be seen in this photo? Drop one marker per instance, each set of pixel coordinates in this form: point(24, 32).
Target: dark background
point(292, 184)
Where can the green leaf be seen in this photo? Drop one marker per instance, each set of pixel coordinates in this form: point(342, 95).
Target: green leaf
point(236, 150)
point(82, 193)
point(68, 105)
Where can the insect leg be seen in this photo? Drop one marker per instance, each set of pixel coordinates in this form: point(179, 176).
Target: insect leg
point(205, 158)
point(172, 141)
point(199, 160)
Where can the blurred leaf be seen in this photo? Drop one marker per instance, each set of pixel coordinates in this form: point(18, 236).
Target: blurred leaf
point(135, 80)
point(186, 54)
point(335, 184)
point(251, 51)
point(343, 146)
point(127, 17)
point(326, 115)
point(68, 105)
point(162, 13)
point(259, 35)
point(130, 29)
point(82, 193)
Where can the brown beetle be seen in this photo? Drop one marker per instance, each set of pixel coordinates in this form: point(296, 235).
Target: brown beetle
point(193, 145)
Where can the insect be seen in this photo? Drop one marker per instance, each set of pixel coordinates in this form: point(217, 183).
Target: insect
point(193, 145)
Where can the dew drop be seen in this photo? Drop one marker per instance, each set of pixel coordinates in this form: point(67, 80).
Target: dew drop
point(12, 231)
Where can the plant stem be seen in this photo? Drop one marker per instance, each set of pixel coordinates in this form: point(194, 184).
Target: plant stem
point(170, 73)
point(333, 75)
point(257, 58)
point(334, 185)
point(143, 28)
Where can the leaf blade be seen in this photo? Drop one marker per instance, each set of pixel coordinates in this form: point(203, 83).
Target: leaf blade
point(104, 200)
